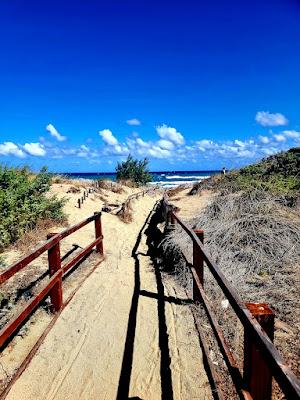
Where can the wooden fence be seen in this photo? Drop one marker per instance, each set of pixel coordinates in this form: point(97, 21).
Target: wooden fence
point(53, 288)
point(134, 196)
point(86, 193)
point(95, 184)
point(262, 361)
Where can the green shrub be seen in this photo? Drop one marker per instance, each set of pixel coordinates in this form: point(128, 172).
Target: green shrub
point(134, 170)
point(278, 174)
point(23, 202)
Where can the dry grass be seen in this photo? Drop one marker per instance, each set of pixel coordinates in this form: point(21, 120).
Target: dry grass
point(174, 191)
point(112, 186)
point(75, 183)
point(255, 240)
point(73, 189)
point(60, 179)
point(34, 236)
point(127, 182)
point(125, 213)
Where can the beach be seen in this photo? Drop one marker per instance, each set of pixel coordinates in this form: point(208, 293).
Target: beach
point(165, 179)
point(89, 338)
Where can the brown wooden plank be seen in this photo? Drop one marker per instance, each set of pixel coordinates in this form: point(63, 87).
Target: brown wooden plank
point(37, 345)
point(257, 374)
point(229, 358)
point(98, 233)
point(10, 328)
point(286, 379)
point(42, 248)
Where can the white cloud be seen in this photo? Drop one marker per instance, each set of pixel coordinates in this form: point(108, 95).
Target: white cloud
point(84, 147)
point(140, 142)
point(205, 144)
point(165, 144)
point(291, 134)
point(83, 151)
point(269, 150)
point(265, 118)
point(35, 149)
point(157, 152)
point(11, 149)
point(53, 132)
point(120, 149)
point(167, 132)
point(279, 137)
point(108, 137)
point(133, 122)
point(264, 139)
point(239, 143)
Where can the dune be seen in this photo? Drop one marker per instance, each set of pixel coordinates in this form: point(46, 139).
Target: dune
point(122, 335)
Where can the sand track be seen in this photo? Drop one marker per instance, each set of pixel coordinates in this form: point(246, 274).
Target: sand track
point(126, 334)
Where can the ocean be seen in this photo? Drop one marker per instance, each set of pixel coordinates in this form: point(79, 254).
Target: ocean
point(165, 179)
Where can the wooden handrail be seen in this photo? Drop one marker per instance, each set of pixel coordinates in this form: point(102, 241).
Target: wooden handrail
point(44, 247)
point(286, 379)
point(56, 270)
point(10, 328)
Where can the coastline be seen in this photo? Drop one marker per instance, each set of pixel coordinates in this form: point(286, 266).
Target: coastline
point(165, 179)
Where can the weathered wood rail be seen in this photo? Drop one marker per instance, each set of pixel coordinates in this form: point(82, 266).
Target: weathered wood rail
point(134, 196)
point(53, 288)
point(86, 193)
point(262, 361)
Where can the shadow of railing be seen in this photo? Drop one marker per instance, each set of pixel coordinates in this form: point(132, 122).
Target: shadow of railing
point(154, 236)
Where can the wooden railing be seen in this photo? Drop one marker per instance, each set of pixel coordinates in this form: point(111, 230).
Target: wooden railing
point(86, 193)
point(262, 361)
point(53, 288)
point(134, 196)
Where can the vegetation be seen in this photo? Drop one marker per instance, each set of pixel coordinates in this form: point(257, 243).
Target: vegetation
point(134, 170)
point(114, 187)
point(278, 174)
point(252, 231)
point(23, 202)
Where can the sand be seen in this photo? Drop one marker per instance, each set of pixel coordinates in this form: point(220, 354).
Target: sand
point(124, 334)
point(189, 206)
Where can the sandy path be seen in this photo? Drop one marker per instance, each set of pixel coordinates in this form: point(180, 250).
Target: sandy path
point(123, 335)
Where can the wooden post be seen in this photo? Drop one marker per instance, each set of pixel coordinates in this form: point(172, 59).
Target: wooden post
point(79, 203)
point(81, 200)
point(172, 219)
point(84, 195)
point(198, 262)
point(87, 193)
point(257, 374)
point(98, 231)
point(54, 266)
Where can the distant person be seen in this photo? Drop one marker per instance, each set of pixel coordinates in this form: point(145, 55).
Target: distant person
point(224, 170)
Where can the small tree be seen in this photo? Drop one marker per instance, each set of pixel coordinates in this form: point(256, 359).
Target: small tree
point(134, 170)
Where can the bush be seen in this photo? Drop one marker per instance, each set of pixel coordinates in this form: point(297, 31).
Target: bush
point(278, 174)
point(23, 202)
point(114, 187)
point(134, 170)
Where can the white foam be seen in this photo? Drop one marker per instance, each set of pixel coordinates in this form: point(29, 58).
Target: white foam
point(186, 177)
point(172, 184)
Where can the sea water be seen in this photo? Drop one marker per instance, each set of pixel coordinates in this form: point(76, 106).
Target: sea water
point(165, 179)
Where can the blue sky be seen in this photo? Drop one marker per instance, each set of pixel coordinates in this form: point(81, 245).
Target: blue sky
point(189, 84)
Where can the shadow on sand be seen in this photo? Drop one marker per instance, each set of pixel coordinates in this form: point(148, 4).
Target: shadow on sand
point(154, 237)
